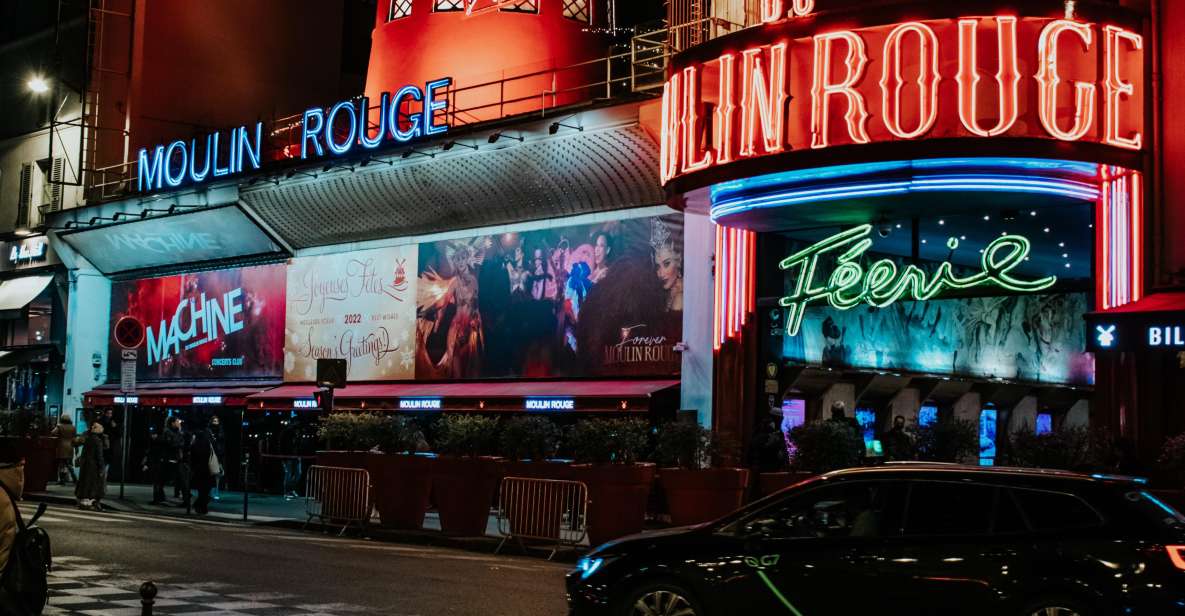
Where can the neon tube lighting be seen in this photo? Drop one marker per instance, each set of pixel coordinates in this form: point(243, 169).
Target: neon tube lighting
point(1088, 171)
point(961, 183)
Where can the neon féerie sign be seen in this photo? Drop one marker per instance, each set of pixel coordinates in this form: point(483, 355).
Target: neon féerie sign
point(883, 282)
point(770, 90)
point(410, 113)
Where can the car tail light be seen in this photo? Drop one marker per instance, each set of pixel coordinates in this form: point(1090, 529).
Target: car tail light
point(1177, 555)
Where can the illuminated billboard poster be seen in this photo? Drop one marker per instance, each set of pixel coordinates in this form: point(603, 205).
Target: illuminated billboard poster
point(357, 306)
point(779, 90)
point(590, 300)
point(1032, 338)
point(410, 113)
point(194, 237)
point(218, 324)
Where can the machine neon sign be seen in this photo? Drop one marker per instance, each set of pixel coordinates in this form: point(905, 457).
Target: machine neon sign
point(888, 83)
point(883, 283)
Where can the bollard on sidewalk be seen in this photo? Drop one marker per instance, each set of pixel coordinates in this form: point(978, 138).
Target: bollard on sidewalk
point(147, 596)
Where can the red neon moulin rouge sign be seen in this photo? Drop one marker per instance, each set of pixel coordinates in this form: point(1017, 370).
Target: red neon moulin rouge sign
point(999, 76)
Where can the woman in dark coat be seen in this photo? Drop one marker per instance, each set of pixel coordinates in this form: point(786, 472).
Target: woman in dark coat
point(92, 483)
point(202, 479)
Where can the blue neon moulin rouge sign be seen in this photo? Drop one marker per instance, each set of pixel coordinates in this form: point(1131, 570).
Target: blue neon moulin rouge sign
point(410, 113)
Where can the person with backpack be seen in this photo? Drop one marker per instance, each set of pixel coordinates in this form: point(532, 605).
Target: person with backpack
point(12, 476)
point(25, 554)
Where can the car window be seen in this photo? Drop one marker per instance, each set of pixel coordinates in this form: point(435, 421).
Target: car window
point(1155, 508)
point(1008, 519)
point(942, 508)
point(1048, 511)
point(862, 509)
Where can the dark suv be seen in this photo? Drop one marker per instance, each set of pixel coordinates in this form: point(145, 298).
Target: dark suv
point(909, 539)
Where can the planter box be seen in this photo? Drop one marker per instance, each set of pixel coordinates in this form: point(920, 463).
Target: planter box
point(618, 494)
point(402, 484)
point(38, 454)
point(464, 490)
point(696, 496)
point(770, 483)
point(343, 459)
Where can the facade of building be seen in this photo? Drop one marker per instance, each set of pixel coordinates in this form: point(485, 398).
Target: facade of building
point(469, 238)
point(765, 208)
point(931, 210)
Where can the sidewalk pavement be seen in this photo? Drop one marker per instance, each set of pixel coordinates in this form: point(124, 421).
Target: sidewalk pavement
point(273, 510)
point(138, 499)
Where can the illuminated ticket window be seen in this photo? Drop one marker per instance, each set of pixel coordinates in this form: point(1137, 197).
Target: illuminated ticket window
point(987, 436)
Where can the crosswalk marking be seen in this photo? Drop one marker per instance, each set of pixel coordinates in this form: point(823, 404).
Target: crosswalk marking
point(62, 517)
point(55, 515)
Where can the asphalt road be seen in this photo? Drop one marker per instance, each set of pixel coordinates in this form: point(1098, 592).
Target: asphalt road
point(369, 576)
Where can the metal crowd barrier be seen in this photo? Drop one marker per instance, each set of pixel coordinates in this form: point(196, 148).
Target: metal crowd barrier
point(337, 495)
point(542, 509)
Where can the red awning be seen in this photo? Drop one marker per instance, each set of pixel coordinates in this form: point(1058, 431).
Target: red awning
point(178, 394)
point(1157, 302)
point(498, 395)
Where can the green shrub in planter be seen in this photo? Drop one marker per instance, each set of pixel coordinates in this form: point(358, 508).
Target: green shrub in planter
point(351, 432)
point(399, 434)
point(686, 445)
point(466, 435)
point(25, 424)
point(1065, 449)
point(823, 446)
point(947, 440)
point(609, 441)
point(1172, 456)
point(530, 438)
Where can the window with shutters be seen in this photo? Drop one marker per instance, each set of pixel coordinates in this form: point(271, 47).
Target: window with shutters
point(521, 6)
point(51, 185)
point(25, 196)
point(578, 10)
point(441, 6)
point(398, 9)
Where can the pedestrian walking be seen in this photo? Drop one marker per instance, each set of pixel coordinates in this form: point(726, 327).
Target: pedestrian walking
point(218, 442)
point(92, 482)
point(898, 445)
point(204, 467)
point(112, 431)
point(289, 447)
point(65, 433)
point(839, 415)
point(168, 451)
point(181, 481)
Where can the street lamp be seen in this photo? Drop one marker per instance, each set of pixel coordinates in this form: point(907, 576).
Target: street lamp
point(38, 84)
